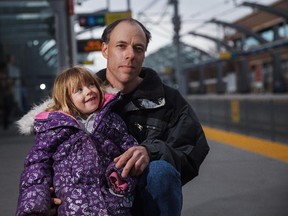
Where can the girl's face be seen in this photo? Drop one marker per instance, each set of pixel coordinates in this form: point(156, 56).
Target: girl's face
point(86, 98)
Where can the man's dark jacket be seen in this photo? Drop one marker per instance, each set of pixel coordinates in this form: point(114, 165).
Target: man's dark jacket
point(162, 121)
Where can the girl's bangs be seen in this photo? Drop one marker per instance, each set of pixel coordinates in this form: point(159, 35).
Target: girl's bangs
point(79, 79)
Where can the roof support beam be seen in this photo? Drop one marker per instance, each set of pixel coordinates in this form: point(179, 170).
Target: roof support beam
point(229, 48)
point(203, 52)
point(240, 28)
point(269, 9)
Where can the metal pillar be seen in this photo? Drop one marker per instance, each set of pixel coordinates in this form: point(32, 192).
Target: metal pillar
point(220, 84)
point(71, 32)
point(65, 36)
point(243, 82)
point(202, 88)
point(177, 25)
point(128, 5)
point(278, 81)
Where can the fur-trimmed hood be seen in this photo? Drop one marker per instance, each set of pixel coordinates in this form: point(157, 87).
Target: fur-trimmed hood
point(25, 124)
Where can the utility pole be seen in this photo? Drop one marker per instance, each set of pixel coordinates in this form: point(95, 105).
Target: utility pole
point(71, 33)
point(176, 40)
point(128, 5)
point(65, 35)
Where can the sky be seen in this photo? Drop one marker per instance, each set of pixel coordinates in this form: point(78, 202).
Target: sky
point(157, 17)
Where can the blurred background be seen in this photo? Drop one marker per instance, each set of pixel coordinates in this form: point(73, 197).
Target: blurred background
point(230, 53)
point(228, 58)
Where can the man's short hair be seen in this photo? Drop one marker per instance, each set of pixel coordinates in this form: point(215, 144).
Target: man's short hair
point(107, 31)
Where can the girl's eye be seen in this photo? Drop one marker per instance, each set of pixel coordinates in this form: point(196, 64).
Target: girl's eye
point(78, 90)
point(91, 85)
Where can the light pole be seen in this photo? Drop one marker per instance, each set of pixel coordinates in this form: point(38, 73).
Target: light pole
point(176, 40)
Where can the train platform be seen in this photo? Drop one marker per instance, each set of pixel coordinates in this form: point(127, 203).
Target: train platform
point(238, 178)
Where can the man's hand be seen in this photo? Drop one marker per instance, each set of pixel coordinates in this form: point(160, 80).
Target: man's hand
point(55, 202)
point(134, 161)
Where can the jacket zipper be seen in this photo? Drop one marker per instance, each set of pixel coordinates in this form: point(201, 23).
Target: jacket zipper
point(140, 127)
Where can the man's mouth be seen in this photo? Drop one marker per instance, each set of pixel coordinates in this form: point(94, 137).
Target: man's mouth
point(127, 66)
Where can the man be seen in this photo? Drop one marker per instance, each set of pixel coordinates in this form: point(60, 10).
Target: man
point(157, 116)
point(172, 142)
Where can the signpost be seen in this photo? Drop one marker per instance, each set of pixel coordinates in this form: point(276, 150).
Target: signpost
point(101, 19)
point(89, 45)
point(113, 16)
point(91, 20)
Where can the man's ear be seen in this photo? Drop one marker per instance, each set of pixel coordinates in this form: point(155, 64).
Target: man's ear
point(105, 50)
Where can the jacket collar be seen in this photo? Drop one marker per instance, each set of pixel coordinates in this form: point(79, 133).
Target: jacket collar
point(54, 120)
point(149, 94)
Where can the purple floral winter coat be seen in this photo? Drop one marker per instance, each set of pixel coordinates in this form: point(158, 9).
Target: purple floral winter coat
point(79, 166)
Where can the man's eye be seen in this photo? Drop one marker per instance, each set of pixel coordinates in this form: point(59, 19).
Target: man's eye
point(139, 49)
point(121, 45)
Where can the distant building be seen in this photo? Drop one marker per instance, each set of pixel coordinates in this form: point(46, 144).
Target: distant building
point(254, 60)
point(267, 62)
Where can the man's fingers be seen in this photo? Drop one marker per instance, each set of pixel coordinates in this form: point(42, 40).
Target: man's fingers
point(121, 160)
point(56, 201)
point(140, 166)
point(128, 167)
point(53, 211)
point(133, 161)
point(137, 162)
point(51, 190)
point(116, 159)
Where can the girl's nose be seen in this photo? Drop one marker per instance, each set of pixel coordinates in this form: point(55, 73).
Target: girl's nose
point(87, 90)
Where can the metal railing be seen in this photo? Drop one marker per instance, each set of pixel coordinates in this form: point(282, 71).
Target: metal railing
point(263, 116)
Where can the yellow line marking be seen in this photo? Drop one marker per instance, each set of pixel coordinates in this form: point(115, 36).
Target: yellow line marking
point(275, 150)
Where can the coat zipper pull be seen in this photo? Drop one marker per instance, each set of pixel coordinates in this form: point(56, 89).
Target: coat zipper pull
point(140, 127)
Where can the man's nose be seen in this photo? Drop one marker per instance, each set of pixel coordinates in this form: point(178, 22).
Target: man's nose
point(130, 53)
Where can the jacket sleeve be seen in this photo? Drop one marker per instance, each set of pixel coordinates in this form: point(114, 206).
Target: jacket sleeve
point(118, 184)
point(185, 145)
point(36, 179)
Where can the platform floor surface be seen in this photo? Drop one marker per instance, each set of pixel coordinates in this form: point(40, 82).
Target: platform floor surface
point(231, 182)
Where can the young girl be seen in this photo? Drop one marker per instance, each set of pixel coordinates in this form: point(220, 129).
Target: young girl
point(77, 138)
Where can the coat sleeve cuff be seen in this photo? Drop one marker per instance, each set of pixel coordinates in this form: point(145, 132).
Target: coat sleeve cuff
point(153, 151)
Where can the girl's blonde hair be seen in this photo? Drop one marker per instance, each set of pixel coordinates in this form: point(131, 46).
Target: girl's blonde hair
point(66, 83)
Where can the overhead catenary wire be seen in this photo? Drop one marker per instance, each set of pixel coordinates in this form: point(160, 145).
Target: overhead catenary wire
point(150, 20)
point(236, 5)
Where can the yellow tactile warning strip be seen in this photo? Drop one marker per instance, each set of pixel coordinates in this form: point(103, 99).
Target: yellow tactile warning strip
point(275, 150)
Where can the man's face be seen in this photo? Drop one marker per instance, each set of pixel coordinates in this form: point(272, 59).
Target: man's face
point(125, 54)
